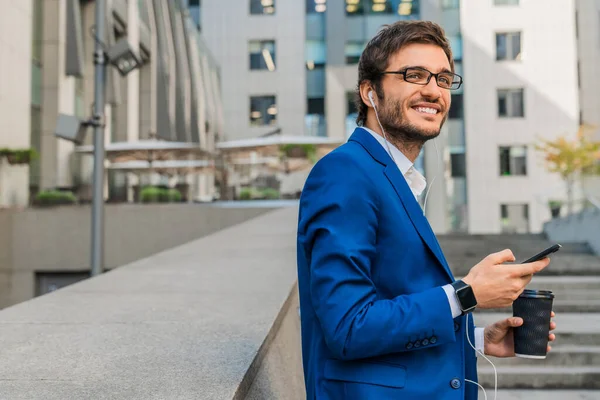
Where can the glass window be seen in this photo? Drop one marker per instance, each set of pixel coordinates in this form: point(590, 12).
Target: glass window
point(458, 165)
point(316, 6)
point(262, 54)
point(513, 160)
point(36, 84)
point(351, 114)
point(508, 46)
point(353, 50)
point(510, 103)
point(456, 46)
point(263, 110)
point(316, 106)
point(38, 31)
point(506, 2)
point(355, 7)
point(514, 218)
point(404, 8)
point(456, 106)
point(258, 7)
point(316, 53)
point(450, 4)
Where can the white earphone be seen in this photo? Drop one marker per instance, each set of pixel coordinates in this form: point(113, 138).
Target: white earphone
point(371, 98)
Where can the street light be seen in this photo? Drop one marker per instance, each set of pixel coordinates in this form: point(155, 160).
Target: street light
point(122, 56)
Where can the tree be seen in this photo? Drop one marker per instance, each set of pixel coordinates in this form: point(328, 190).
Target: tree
point(571, 158)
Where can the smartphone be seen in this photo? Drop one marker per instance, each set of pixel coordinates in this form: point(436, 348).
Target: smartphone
point(543, 254)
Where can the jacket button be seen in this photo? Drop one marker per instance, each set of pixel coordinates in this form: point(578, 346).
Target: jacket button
point(456, 327)
point(409, 345)
point(417, 343)
point(455, 383)
point(425, 342)
point(433, 340)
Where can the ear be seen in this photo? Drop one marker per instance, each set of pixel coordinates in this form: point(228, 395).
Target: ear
point(365, 88)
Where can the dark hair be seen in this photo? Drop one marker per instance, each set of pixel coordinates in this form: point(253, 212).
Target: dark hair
point(389, 40)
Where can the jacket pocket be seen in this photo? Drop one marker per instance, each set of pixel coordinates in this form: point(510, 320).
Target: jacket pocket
point(373, 373)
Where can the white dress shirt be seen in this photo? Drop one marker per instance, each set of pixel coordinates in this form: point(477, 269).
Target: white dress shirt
point(417, 183)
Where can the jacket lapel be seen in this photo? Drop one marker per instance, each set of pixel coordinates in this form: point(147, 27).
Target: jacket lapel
point(412, 207)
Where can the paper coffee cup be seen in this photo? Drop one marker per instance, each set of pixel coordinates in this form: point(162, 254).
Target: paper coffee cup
point(531, 338)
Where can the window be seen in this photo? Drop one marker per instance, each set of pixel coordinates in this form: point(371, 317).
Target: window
point(510, 103)
point(456, 46)
point(355, 7)
point(262, 55)
point(316, 6)
point(315, 117)
point(316, 54)
point(506, 2)
point(353, 50)
point(263, 110)
point(514, 218)
point(351, 113)
point(456, 107)
point(316, 106)
point(450, 4)
point(258, 7)
point(458, 165)
point(513, 161)
point(508, 46)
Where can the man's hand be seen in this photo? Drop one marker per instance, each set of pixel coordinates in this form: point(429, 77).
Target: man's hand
point(496, 284)
point(499, 337)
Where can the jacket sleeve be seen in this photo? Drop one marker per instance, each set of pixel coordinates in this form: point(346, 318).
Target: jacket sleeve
point(338, 232)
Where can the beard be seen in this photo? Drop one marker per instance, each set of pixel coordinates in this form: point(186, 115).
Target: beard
point(397, 126)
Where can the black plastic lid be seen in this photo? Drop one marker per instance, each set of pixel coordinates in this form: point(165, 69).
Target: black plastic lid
point(537, 294)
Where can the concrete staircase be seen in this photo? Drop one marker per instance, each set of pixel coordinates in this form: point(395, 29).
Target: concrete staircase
point(572, 369)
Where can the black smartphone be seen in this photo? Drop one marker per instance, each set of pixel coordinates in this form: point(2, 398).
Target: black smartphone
point(543, 254)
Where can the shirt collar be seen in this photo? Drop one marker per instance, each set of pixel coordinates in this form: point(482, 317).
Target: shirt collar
point(416, 181)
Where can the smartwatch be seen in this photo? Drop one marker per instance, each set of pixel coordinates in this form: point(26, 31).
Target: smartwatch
point(466, 297)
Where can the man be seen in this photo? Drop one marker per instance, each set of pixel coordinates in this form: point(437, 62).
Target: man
point(382, 315)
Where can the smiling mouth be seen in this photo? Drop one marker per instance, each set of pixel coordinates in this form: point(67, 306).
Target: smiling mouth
point(426, 110)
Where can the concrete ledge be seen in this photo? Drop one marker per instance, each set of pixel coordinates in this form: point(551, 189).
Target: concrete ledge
point(187, 323)
point(581, 227)
point(58, 239)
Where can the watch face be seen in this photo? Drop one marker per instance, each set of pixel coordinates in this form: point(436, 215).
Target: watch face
point(466, 298)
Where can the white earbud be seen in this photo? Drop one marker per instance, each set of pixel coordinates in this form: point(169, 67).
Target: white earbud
point(371, 98)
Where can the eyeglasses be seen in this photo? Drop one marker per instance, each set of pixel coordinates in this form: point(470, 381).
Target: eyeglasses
point(421, 76)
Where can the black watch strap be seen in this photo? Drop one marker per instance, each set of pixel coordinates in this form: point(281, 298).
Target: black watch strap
point(465, 296)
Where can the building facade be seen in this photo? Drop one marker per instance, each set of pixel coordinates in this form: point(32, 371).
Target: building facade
point(173, 96)
point(485, 173)
point(19, 95)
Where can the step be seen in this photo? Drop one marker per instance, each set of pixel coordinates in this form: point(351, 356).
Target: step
point(546, 377)
point(563, 285)
point(570, 306)
point(569, 264)
point(532, 394)
point(560, 355)
point(582, 329)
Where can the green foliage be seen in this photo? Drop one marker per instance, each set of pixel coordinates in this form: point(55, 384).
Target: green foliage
point(155, 194)
point(18, 156)
point(256, 194)
point(48, 198)
point(308, 151)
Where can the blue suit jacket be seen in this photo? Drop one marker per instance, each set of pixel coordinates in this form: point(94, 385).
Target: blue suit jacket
point(376, 323)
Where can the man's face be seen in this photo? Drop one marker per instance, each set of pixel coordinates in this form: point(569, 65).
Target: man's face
point(409, 111)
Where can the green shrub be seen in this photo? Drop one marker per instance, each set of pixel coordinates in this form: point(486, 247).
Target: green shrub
point(245, 194)
point(174, 195)
point(154, 194)
point(54, 198)
point(255, 194)
point(270, 194)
